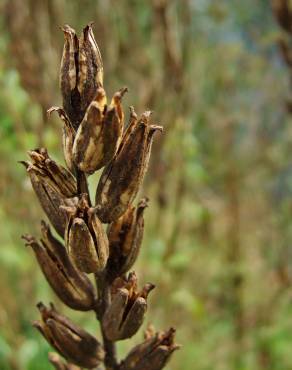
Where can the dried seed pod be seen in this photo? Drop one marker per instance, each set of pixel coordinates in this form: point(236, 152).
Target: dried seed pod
point(99, 133)
point(69, 76)
point(85, 238)
point(71, 285)
point(55, 175)
point(283, 14)
point(67, 137)
point(125, 237)
point(81, 72)
point(125, 314)
point(72, 342)
point(153, 353)
point(121, 178)
point(90, 71)
point(131, 124)
point(58, 364)
point(52, 183)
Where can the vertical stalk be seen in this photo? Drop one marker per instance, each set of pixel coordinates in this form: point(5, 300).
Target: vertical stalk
point(234, 254)
point(82, 186)
point(103, 287)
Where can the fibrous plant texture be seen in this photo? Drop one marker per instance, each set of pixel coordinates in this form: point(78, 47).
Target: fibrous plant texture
point(94, 137)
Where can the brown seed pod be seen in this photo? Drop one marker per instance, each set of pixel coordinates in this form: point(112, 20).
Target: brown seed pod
point(121, 178)
point(85, 238)
point(68, 136)
point(153, 353)
point(283, 14)
point(90, 71)
point(72, 342)
point(99, 133)
point(52, 183)
point(71, 285)
point(125, 314)
point(58, 364)
point(81, 72)
point(125, 237)
point(55, 175)
point(50, 201)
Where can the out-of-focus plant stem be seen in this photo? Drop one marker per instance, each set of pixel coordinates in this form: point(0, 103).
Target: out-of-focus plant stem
point(234, 254)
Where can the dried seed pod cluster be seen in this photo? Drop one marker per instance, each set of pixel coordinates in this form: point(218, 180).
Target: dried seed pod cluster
point(94, 137)
point(71, 341)
point(282, 10)
point(121, 178)
point(125, 313)
point(125, 237)
point(153, 353)
point(71, 285)
point(85, 236)
point(58, 364)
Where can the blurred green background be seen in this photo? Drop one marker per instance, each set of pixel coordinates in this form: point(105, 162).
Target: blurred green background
point(218, 229)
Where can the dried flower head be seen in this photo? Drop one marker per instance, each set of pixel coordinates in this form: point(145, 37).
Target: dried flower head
point(94, 137)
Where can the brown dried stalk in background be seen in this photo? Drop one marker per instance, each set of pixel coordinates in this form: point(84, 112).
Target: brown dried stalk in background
point(282, 10)
point(34, 63)
point(94, 136)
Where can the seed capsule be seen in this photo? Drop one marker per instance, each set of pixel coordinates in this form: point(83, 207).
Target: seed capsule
point(125, 237)
point(81, 72)
point(121, 178)
point(56, 176)
point(90, 71)
point(67, 137)
point(283, 14)
point(125, 314)
point(153, 353)
point(99, 133)
point(52, 183)
point(58, 364)
point(71, 285)
point(85, 238)
point(72, 342)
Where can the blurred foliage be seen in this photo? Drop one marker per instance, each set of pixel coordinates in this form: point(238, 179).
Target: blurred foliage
point(218, 234)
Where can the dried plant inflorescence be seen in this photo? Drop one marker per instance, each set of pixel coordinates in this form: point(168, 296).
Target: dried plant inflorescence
point(94, 137)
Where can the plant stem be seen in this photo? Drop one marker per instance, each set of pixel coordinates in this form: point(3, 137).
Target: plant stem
point(103, 288)
point(82, 186)
point(110, 360)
